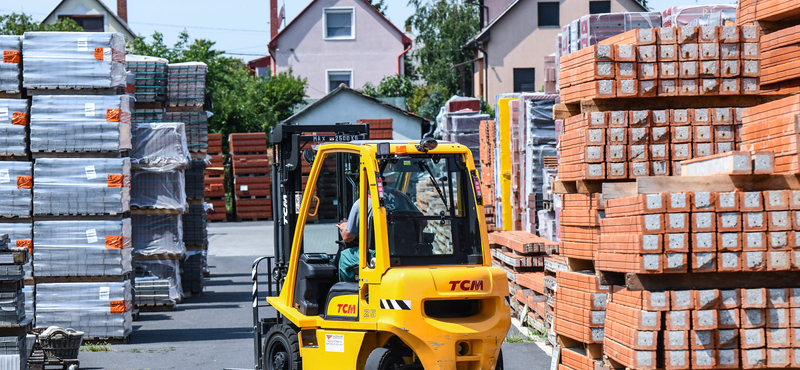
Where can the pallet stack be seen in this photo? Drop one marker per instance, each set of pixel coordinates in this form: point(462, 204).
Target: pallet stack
point(252, 176)
point(379, 129)
point(159, 157)
point(214, 182)
point(487, 159)
point(14, 322)
point(81, 181)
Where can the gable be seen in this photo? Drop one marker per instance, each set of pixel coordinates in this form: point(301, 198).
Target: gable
point(111, 22)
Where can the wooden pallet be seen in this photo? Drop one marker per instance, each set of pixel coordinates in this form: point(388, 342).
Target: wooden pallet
point(156, 308)
point(128, 276)
point(73, 90)
point(155, 211)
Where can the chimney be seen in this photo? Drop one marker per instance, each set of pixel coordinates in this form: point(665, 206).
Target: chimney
point(122, 10)
point(273, 18)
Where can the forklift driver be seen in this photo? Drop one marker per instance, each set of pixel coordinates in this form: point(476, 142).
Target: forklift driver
point(348, 260)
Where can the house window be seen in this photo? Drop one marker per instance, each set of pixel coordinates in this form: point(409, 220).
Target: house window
point(339, 23)
point(599, 7)
point(89, 22)
point(524, 80)
point(548, 14)
point(336, 78)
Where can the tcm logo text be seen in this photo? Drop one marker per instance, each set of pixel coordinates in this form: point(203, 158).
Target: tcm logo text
point(466, 285)
point(346, 308)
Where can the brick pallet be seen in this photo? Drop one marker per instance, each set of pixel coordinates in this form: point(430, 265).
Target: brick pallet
point(252, 181)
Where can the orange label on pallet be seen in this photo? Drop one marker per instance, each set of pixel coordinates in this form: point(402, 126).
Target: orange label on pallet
point(24, 182)
point(25, 244)
point(117, 306)
point(112, 115)
point(12, 56)
point(113, 242)
point(114, 181)
point(19, 118)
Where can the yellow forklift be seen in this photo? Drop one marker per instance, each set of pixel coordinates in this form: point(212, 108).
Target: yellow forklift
point(423, 293)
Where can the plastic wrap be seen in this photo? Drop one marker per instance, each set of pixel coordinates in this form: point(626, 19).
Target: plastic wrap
point(70, 186)
point(20, 235)
point(14, 117)
point(73, 59)
point(715, 19)
point(196, 128)
point(100, 310)
point(82, 248)
point(12, 308)
point(29, 298)
point(158, 190)
point(574, 35)
point(468, 140)
point(80, 123)
point(547, 224)
point(14, 353)
point(565, 35)
point(679, 16)
point(186, 85)
point(157, 234)
point(195, 179)
point(150, 77)
point(466, 123)
point(598, 27)
point(195, 232)
point(11, 66)
point(192, 267)
point(538, 114)
point(16, 183)
point(158, 282)
point(159, 146)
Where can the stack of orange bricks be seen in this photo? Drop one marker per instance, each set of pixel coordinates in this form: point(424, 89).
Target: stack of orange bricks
point(251, 176)
point(779, 40)
point(379, 129)
point(580, 225)
point(580, 306)
point(704, 329)
point(215, 179)
point(701, 232)
point(631, 144)
point(774, 126)
point(487, 129)
point(665, 61)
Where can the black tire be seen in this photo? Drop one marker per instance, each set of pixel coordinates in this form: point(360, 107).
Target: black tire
point(384, 359)
point(499, 365)
point(281, 349)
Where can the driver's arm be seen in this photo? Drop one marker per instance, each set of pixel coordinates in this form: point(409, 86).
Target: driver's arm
point(350, 228)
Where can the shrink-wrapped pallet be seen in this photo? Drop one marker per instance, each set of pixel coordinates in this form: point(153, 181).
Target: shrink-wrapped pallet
point(598, 27)
point(20, 235)
point(80, 123)
point(158, 190)
point(192, 269)
point(186, 85)
point(12, 309)
point(158, 282)
point(11, 67)
point(159, 146)
point(14, 117)
point(196, 128)
point(82, 248)
point(76, 186)
point(150, 77)
point(14, 353)
point(16, 182)
point(679, 16)
point(195, 179)
point(157, 234)
point(81, 60)
point(29, 298)
point(194, 226)
point(100, 310)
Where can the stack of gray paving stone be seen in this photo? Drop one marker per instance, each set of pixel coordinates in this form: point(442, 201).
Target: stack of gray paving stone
point(14, 117)
point(81, 186)
point(11, 66)
point(150, 77)
point(100, 310)
point(186, 85)
point(82, 248)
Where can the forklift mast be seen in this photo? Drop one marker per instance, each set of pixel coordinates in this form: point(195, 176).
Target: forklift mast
point(289, 141)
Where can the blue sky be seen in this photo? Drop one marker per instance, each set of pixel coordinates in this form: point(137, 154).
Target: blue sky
point(240, 27)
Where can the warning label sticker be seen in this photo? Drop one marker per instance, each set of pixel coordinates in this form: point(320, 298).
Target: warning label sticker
point(334, 342)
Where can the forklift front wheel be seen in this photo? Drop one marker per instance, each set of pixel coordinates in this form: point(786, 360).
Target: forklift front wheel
point(384, 359)
point(282, 350)
point(499, 364)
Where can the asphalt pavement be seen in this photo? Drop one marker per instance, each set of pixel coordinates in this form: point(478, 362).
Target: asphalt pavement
point(213, 331)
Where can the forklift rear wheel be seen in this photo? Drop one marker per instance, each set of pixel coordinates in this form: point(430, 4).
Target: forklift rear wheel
point(499, 365)
point(282, 351)
point(384, 359)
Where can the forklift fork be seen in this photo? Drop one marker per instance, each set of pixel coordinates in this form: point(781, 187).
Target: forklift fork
point(261, 326)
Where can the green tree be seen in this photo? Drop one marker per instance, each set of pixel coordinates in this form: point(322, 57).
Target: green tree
point(17, 24)
point(421, 96)
point(443, 26)
point(241, 102)
point(378, 4)
point(390, 86)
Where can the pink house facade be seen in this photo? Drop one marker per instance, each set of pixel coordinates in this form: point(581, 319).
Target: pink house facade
point(339, 41)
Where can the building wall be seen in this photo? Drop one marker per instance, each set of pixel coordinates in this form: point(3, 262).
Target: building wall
point(495, 7)
point(372, 55)
point(517, 42)
point(348, 107)
point(72, 7)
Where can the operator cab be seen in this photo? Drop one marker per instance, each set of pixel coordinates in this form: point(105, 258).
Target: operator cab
point(427, 204)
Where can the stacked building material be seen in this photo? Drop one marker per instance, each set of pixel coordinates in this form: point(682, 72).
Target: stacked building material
point(100, 310)
point(13, 313)
point(214, 188)
point(160, 155)
point(186, 84)
point(666, 61)
point(73, 60)
point(631, 144)
point(11, 66)
point(14, 118)
point(535, 141)
point(580, 307)
point(579, 218)
point(80, 123)
point(193, 268)
point(379, 129)
point(158, 284)
point(196, 129)
point(685, 15)
point(251, 176)
point(487, 150)
point(82, 248)
point(81, 186)
point(150, 76)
